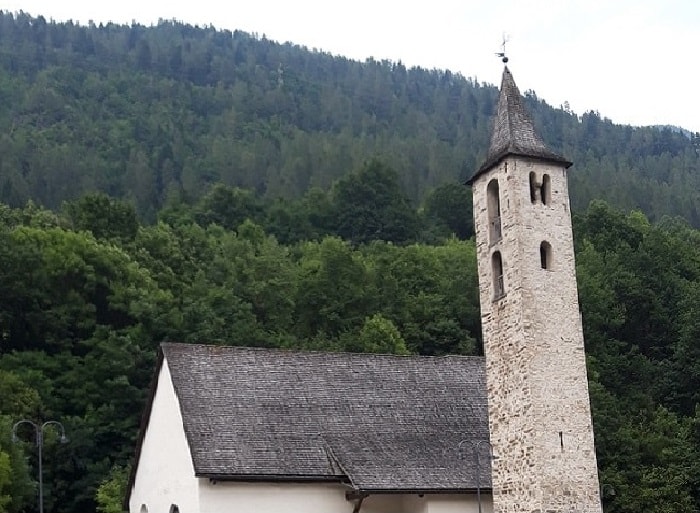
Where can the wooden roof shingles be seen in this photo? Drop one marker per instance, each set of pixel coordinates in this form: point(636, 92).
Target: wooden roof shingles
point(514, 132)
point(381, 422)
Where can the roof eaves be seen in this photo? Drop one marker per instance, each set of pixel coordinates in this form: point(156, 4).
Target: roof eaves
point(433, 491)
point(496, 159)
point(293, 478)
point(514, 132)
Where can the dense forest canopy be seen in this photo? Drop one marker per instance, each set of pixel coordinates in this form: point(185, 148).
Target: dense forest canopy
point(151, 113)
point(89, 292)
point(184, 183)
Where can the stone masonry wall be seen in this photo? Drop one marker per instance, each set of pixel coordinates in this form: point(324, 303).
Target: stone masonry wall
point(539, 410)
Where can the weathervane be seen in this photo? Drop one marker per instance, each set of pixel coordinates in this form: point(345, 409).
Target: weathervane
point(502, 54)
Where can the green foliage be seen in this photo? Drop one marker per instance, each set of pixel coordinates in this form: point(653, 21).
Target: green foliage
point(5, 481)
point(17, 489)
point(104, 217)
point(652, 468)
point(451, 206)
point(111, 492)
point(77, 321)
point(81, 316)
point(430, 292)
point(636, 284)
point(332, 293)
point(309, 218)
point(227, 207)
point(151, 113)
point(290, 179)
point(380, 335)
point(368, 205)
point(16, 397)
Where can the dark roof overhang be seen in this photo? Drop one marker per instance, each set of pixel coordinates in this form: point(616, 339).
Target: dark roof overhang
point(497, 159)
point(354, 494)
point(287, 478)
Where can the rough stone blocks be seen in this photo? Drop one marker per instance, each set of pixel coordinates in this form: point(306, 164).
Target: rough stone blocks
point(539, 410)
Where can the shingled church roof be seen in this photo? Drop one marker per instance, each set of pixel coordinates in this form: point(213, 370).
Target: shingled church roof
point(378, 422)
point(513, 130)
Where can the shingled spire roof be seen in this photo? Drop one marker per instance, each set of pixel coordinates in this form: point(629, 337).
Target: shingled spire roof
point(513, 130)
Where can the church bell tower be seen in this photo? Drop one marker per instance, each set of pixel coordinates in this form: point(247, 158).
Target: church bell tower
point(539, 410)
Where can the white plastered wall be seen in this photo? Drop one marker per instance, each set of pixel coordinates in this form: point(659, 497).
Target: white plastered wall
point(165, 474)
point(227, 496)
point(440, 503)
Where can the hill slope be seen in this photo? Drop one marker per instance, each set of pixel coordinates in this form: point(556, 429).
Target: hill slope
point(144, 113)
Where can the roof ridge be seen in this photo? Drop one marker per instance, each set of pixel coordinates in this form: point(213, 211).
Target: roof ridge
point(293, 351)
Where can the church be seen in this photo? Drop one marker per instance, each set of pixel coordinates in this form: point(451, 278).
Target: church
point(270, 430)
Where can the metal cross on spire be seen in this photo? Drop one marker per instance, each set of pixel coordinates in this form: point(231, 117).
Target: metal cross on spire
point(502, 54)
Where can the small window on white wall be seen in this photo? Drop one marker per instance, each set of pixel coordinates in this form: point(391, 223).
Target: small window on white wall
point(143, 509)
point(174, 508)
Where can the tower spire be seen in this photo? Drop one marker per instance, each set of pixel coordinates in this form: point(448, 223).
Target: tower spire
point(513, 131)
point(539, 410)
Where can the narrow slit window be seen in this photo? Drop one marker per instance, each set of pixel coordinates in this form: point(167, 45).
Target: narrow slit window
point(533, 187)
point(545, 255)
point(497, 271)
point(493, 203)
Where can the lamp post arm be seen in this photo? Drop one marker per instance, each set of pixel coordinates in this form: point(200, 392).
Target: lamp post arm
point(57, 424)
point(488, 444)
point(54, 423)
point(17, 424)
point(39, 441)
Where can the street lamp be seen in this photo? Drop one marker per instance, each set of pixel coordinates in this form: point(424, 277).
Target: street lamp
point(475, 447)
point(39, 441)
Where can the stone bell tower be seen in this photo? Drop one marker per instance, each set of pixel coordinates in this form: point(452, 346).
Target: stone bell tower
point(539, 410)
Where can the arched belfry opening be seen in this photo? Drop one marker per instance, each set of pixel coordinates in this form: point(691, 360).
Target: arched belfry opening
point(546, 189)
point(499, 289)
point(534, 188)
point(493, 202)
point(540, 189)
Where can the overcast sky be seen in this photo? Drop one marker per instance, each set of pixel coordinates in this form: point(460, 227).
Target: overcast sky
point(634, 61)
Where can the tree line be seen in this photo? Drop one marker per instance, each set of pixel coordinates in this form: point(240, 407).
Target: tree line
point(149, 114)
point(89, 292)
point(259, 193)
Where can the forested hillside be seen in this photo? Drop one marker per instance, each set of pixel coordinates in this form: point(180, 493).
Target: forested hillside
point(87, 295)
point(262, 194)
point(155, 113)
